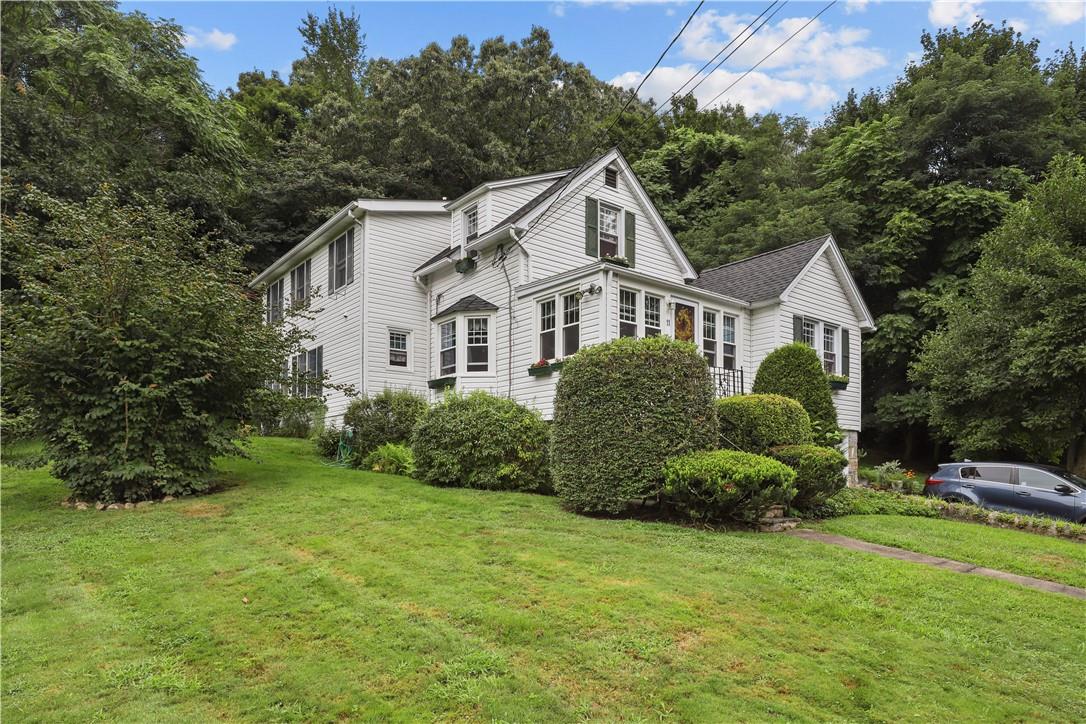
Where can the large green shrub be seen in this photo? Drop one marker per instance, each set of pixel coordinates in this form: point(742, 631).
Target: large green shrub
point(621, 409)
point(795, 371)
point(819, 472)
point(389, 416)
point(276, 413)
point(756, 423)
point(727, 484)
point(135, 341)
point(481, 441)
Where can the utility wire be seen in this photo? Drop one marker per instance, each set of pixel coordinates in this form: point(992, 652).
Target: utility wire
point(770, 53)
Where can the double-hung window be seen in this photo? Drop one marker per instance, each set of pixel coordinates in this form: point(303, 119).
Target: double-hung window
point(275, 301)
point(829, 348)
point(447, 348)
point(471, 223)
point(708, 336)
point(478, 344)
point(548, 322)
point(809, 332)
point(308, 368)
point(571, 324)
point(609, 230)
point(727, 336)
point(341, 261)
point(627, 313)
point(299, 281)
point(397, 348)
point(652, 315)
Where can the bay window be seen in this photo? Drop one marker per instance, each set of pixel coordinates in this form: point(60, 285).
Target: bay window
point(478, 344)
point(447, 348)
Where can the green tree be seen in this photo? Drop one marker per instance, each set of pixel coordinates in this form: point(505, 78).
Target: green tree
point(1006, 373)
point(135, 341)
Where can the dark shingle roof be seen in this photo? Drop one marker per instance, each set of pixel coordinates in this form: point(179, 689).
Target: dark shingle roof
point(763, 276)
point(470, 303)
point(444, 254)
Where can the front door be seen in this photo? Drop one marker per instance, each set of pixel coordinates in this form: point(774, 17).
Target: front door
point(684, 322)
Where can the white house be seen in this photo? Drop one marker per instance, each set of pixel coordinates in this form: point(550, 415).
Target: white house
point(486, 290)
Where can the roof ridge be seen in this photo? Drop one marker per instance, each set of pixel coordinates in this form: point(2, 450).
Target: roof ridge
point(763, 253)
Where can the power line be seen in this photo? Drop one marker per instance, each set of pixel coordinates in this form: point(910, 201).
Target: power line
point(770, 53)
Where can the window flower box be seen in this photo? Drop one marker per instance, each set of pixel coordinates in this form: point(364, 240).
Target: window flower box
point(441, 383)
point(544, 368)
point(616, 260)
point(837, 382)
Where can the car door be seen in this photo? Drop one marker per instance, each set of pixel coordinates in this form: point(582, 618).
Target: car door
point(991, 484)
point(1037, 494)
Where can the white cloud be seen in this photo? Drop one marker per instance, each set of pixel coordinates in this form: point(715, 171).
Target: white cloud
point(557, 9)
point(855, 6)
point(214, 39)
point(945, 13)
point(757, 93)
point(1061, 12)
point(1018, 24)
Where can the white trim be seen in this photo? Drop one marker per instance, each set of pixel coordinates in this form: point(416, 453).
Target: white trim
point(559, 323)
point(461, 321)
point(501, 184)
point(408, 333)
point(863, 314)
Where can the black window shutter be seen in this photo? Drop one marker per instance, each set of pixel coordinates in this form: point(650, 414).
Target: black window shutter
point(844, 352)
point(350, 255)
point(631, 241)
point(797, 328)
point(591, 227)
point(331, 268)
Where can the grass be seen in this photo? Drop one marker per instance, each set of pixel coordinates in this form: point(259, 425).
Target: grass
point(1028, 554)
point(375, 597)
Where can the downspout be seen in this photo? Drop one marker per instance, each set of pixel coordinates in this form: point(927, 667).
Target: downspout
point(362, 326)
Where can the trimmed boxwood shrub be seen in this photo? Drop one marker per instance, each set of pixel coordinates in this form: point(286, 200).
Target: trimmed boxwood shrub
point(620, 410)
point(727, 484)
point(392, 459)
point(389, 416)
point(795, 371)
point(481, 441)
point(756, 423)
point(819, 472)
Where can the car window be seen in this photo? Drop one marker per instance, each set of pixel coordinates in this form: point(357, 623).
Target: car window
point(993, 473)
point(1034, 478)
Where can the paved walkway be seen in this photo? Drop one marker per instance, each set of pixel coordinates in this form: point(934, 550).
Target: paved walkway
point(944, 563)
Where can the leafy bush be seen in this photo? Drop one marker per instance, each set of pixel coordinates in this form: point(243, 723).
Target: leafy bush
point(392, 459)
point(135, 342)
point(389, 416)
point(481, 441)
point(864, 501)
point(819, 472)
point(723, 484)
point(327, 442)
point(756, 423)
point(620, 410)
point(278, 414)
point(795, 371)
point(891, 476)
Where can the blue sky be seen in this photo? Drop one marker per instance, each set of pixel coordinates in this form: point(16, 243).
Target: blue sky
point(856, 43)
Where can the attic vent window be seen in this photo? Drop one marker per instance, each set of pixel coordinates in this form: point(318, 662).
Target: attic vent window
point(610, 177)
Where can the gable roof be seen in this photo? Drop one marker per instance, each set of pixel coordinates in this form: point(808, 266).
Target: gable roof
point(763, 276)
point(470, 303)
point(501, 184)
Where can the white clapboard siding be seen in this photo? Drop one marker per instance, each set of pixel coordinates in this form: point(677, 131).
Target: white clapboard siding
point(556, 239)
point(396, 244)
point(820, 294)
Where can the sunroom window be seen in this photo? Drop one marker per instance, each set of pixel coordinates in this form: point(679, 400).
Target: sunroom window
point(548, 321)
point(627, 313)
point(708, 336)
point(652, 315)
point(727, 336)
point(571, 324)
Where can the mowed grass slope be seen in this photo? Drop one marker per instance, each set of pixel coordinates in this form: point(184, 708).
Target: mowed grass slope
point(1016, 551)
point(376, 597)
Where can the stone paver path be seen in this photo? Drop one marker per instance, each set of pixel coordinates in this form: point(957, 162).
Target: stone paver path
point(945, 563)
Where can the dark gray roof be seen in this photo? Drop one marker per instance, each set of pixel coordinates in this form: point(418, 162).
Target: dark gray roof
point(437, 257)
point(470, 303)
point(763, 276)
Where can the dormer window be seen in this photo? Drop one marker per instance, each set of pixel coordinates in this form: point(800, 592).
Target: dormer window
point(610, 177)
point(471, 223)
point(609, 230)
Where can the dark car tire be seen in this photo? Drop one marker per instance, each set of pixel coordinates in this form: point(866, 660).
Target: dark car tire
point(958, 499)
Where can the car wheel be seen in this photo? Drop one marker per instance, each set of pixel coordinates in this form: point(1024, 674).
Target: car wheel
point(957, 499)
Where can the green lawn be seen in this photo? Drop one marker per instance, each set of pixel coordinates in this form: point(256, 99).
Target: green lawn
point(376, 597)
point(1028, 554)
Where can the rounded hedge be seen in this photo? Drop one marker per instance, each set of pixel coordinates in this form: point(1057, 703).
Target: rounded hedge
point(819, 472)
point(727, 484)
point(756, 423)
point(389, 416)
point(795, 371)
point(620, 410)
point(481, 441)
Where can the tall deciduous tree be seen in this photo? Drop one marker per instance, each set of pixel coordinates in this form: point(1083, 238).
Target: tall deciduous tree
point(1006, 373)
